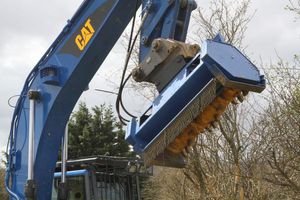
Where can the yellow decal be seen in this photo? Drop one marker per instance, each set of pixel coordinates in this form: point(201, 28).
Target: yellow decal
point(85, 35)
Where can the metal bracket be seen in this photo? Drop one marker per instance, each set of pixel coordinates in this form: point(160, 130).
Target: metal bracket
point(164, 61)
point(160, 13)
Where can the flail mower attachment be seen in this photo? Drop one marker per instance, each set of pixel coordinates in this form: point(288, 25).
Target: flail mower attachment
point(191, 101)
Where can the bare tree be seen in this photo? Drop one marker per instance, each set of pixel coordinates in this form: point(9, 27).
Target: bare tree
point(294, 6)
point(230, 18)
point(279, 128)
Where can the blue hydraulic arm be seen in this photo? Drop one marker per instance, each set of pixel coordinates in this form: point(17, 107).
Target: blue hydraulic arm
point(54, 86)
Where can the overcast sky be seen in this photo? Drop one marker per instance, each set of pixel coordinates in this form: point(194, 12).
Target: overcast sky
point(28, 27)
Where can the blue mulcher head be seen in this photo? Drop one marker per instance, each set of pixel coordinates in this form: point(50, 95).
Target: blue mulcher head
point(192, 101)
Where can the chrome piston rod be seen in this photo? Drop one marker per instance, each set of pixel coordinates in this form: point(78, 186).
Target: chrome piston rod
point(30, 186)
point(31, 137)
point(63, 191)
point(64, 155)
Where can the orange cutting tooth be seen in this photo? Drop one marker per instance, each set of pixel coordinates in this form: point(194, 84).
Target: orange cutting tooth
point(209, 129)
point(199, 121)
point(214, 124)
point(229, 93)
point(235, 101)
point(184, 153)
point(245, 93)
point(208, 114)
point(241, 97)
point(204, 121)
point(192, 134)
point(218, 118)
point(220, 104)
point(199, 128)
point(181, 141)
point(176, 146)
point(193, 141)
point(190, 130)
point(188, 149)
point(184, 136)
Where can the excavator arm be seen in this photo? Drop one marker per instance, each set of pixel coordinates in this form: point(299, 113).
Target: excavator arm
point(54, 86)
point(195, 87)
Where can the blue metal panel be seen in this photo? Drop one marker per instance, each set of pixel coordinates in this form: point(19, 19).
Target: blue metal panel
point(181, 33)
point(156, 13)
point(238, 66)
point(231, 67)
point(72, 173)
point(76, 68)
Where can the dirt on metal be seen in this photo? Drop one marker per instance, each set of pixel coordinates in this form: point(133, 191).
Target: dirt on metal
point(205, 120)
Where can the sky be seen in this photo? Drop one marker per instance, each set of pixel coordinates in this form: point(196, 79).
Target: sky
point(28, 27)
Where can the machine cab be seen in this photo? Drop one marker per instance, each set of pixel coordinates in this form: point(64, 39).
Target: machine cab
point(102, 178)
point(78, 184)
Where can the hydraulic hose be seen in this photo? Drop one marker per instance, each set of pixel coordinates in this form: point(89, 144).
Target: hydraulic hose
point(10, 192)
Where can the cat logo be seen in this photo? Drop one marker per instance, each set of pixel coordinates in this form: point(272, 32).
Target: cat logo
point(85, 35)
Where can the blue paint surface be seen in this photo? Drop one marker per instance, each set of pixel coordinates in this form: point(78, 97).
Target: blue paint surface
point(72, 173)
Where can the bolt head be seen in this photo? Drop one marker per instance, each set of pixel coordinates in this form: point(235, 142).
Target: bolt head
point(156, 45)
point(145, 40)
